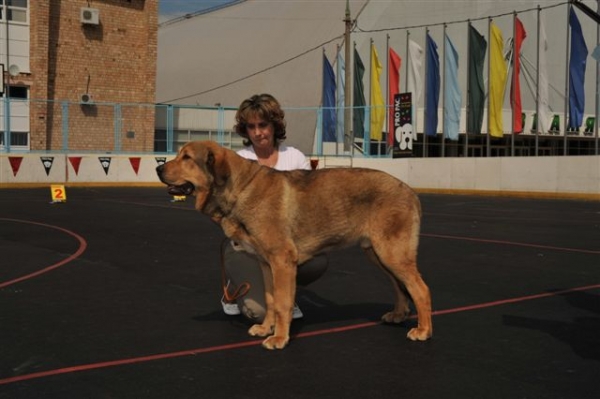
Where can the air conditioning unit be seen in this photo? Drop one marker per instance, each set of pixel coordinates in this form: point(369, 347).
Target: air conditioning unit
point(86, 98)
point(89, 16)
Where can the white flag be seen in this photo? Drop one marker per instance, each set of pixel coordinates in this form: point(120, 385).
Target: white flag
point(545, 117)
point(415, 81)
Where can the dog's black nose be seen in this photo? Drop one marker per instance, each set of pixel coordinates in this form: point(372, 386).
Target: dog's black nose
point(159, 169)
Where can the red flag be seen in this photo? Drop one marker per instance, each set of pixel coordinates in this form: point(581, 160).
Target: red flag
point(394, 63)
point(515, 89)
point(75, 162)
point(15, 164)
point(135, 163)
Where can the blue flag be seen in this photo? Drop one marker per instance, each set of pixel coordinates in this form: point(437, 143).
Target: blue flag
point(452, 93)
point(432, 85)
point(341, 96)
point(579, 53)
point(328, 99)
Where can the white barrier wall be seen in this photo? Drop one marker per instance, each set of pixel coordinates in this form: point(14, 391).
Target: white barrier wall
point(78, 169)
point(568, 176)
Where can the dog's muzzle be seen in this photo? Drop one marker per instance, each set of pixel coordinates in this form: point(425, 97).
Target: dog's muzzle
point(186, 188)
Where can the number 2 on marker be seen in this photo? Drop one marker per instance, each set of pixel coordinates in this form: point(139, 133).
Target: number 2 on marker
point(58, 193)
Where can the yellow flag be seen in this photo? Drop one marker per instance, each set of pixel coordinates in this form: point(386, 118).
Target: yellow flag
point(498, 72)
point(377, 104)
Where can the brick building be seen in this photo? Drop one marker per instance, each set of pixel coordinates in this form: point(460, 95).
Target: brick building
point(87, 69)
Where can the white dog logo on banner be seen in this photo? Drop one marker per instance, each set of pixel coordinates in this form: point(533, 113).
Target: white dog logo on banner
point(404, 136)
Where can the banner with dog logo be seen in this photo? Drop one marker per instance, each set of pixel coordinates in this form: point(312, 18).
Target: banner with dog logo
point(161, 160)
point(47, 162)
point(403, 128)
point(105, 162)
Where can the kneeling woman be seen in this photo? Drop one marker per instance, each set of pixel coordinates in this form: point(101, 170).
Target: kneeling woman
point(261, 122)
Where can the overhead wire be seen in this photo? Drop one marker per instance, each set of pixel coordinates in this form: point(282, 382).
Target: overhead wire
point(356, 29)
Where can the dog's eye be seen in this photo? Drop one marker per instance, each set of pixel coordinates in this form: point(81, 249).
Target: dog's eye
point(185, 156)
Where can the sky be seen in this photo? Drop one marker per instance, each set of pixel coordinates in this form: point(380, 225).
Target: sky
point(168, 9)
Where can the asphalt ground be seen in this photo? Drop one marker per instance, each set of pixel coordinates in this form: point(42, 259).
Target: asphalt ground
point(115, 294)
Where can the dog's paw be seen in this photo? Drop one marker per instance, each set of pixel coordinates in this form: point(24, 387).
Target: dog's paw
point(394, 317)
point(419, 334)
point(259, 330)
point(275, 342)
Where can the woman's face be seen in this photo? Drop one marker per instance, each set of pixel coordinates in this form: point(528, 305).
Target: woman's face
point(260, 133)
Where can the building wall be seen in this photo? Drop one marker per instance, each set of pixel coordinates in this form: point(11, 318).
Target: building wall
point(114, 62)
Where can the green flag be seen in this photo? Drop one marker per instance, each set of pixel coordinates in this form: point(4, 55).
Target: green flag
point(358, 119)
point(477, 49)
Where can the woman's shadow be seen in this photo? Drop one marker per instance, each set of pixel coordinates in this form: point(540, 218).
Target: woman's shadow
point(581, 333)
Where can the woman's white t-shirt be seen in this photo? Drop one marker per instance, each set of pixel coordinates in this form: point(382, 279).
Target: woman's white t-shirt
point(289, 158)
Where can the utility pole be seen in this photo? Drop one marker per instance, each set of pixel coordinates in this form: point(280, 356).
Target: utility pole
point(348, 81)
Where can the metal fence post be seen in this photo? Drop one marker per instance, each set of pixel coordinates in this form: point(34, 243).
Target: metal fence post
point(65, 125)
point(118, 123)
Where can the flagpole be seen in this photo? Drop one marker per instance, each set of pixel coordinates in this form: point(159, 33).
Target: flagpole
point(488, 150)
point(597, 84)
point(347, 100)
point(387, 92)
point(444, 111)
point(515, 55)
point(321, 136)
point(468, 102)
point(337, 81)
point(368, 136)
point(407, 66)
point(568, 70)
point(537, 78)
point(406, 85)
point(425, 127)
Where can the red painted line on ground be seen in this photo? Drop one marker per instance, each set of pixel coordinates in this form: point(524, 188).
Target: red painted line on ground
point(515, 243)
point(194, 352)
point(80, 250)
point(514, 300)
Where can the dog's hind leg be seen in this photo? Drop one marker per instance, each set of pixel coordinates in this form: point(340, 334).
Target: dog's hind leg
point(400, 259)
point(401, 309)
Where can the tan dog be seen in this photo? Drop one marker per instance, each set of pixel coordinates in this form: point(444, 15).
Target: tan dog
point(288, 217)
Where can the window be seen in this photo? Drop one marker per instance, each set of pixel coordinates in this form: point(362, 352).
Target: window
point(19, 92)
point(17, 139)
point(16, 10)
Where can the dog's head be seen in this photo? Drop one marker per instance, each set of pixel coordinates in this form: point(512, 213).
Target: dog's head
point(198, 167)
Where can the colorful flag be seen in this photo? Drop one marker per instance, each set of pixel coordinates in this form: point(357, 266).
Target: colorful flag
point(579, 53)
point(452, 93)
point(476, 92)
point(340, 99)
point(394, 64)
point(515, 88)
point(498, 72)
point(545, 115)
point(358, 117)
point(328, 101)
point(377, 102)
point(432, 84)
point(415, 82)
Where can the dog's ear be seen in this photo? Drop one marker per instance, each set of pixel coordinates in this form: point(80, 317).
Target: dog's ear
point(216, 161)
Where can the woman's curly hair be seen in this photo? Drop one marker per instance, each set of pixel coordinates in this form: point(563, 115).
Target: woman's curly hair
point(261, 106)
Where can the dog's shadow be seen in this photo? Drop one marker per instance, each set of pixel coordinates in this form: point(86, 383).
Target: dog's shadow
point(318, 311)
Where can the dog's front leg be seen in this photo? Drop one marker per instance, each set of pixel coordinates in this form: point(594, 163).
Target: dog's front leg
point(284, 291)
point(266, 328)
point(279, 295)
